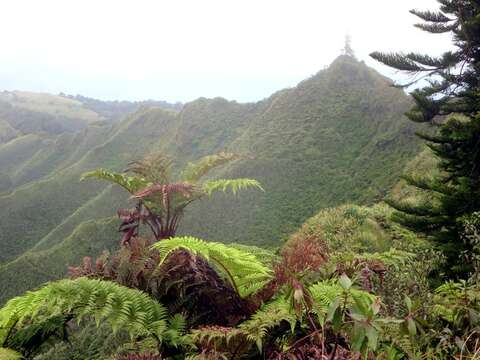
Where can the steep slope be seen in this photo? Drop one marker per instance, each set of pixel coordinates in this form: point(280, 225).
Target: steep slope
point(33, 156)
point(37, 208)
point(337, 137)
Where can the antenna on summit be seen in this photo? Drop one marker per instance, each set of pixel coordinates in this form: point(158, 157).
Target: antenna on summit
point(347, 49)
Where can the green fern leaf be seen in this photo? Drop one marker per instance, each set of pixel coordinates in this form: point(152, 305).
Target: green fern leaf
point(244, 271)
point(121, 307)
point(269, 316)
point(234, 185)
point(193, 172)
point(130, 183)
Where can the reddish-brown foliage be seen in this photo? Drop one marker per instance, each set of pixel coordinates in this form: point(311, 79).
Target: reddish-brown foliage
point(165, 190)
point(132, 265)
point(205, 296)
point(305, 253)
point(185, 283)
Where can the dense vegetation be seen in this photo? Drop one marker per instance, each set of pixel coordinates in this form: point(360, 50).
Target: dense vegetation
point(395, 280)
point(337, 137)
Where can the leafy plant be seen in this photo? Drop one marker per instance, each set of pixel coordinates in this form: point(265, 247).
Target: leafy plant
point(161, 201)
point(123, 308)
point(242, 269)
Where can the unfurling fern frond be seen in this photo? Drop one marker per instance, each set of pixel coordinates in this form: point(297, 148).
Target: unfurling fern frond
point(103, 301)
point(234, 185)
point(244, 271)
point(194, 171)
point(132, 184)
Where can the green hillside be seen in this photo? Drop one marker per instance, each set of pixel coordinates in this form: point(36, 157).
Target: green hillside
point(337, 137)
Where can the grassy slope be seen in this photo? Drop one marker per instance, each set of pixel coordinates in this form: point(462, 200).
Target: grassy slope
point(37, 113)
point(66, 203)
point(37, 208)
point(337, 137)
point(55, 105)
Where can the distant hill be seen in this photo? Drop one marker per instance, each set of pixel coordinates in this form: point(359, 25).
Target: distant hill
point(116, 110)
point(337, 137)
point(29, 112)
point(24, 112)
point(41, 133)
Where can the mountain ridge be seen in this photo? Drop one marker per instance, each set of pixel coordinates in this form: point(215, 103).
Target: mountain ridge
point(339, 136)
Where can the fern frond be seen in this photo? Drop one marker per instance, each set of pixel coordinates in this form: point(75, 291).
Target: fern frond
point(194, 171)
point(326, 292)
point(154, 167)
point(392, 258)
point(234, 185)
point(123, 308)
point(177, 326)
point(244, 271)
point(212, 336)
point(33, 336)
point(218, 342)
point(130, 183)
point(269, 316)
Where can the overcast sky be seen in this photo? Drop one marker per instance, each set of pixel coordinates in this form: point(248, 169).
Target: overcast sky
point(178, 50)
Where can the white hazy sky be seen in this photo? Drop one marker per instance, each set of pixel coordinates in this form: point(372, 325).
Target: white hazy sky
point(178, 50)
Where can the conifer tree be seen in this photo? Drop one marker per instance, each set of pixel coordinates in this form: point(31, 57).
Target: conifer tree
point(451, 103)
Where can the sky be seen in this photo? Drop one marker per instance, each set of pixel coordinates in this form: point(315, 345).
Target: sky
point(179, 50)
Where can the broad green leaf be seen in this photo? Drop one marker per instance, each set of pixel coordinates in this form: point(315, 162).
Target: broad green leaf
point(332, 309)
point(408, 302)
point(345, 282)
point(372, 335)
point(358, 336)
point(412, 328)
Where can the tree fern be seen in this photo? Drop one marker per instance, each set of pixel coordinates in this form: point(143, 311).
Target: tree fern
point(161, 201)
point(244, 271)
point(123, 308)
point(234, 185)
